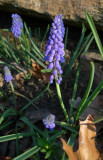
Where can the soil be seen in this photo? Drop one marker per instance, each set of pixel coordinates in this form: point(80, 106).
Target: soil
point(48, 102)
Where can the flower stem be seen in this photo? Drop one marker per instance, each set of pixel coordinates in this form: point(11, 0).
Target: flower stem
point(12, 88)
point(61, 102)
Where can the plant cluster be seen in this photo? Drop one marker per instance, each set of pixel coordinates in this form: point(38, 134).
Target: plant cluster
point(45, 141)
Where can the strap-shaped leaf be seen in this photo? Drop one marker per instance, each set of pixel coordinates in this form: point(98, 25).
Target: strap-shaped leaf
point(76, 53)
point(41, 93)
point(27, 154)
point(7, 113)
point(74, 90)
point(15, 136)
point(31, 125)
point(92, 96)
point(87, 91)
point(66, 126)
point(95, 33)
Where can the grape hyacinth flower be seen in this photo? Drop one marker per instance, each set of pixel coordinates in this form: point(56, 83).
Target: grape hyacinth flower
point(49, 122)
point(7, 74)
point(16, 25)
point(54, 53)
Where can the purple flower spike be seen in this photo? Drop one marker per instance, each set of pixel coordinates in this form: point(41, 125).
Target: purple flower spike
point(55, 72)
point(16, 25)
point(7, 74)
point(57, 64)
point(55, 49)
point(46, 58)
point(62, 59)
point(51, 42)
point(58, 81)
point(50, 59)
point(57, 57)
point(49, 47)
point(49, 122)
point(60, 71)
point(50, 66)
point(52, 52)
point(51, 77)
point(51, 129)
point(60, 78)
point(51, 81)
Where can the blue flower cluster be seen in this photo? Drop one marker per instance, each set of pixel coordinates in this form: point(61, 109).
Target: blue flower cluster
point(16, 25)
point(7, 74)
point(54, 53)
point(49, 122)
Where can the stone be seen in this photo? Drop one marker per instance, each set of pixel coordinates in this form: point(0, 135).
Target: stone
point(95, 108)
point(95, 55)
point(73, 11)
point(36, 115)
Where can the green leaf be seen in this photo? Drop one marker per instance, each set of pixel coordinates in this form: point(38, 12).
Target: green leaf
point(7, 113)
point(27, 154)
point(98, 119)
point(46, 135)
point(32, 56)
point(41, 142)
point(9, 65)
point(30, 124)
point(71, 143)
point(17, 144)
point(46, 70)
point(35, 35)
point(95, 33)
point(61, 102)
point(76, 53)
point(58, 134)
point(87, 91)
point(43, 150)
point(72, 139)
point(36, 54)
point(6, 124)
point(41, 93)
point(34, 138)
point(39, 36)
point(33, 44)
point(74, 90)
point(87, 45)
point(66, 36)
point(48, 154)
point(92, 96)
point(7, 30)
point(46, 32)
point(15, 136)
point(67, 126)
